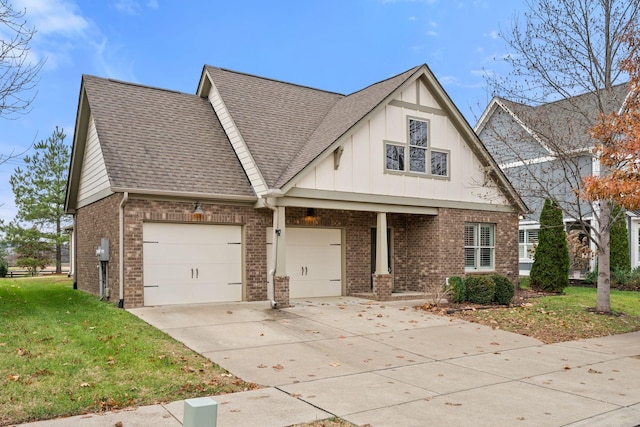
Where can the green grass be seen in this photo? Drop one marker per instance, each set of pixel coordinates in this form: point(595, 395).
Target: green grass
point(64, 352)
point(565, 317)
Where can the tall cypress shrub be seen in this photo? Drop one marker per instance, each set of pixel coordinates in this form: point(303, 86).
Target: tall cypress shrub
point(619, 243)
point(550, 269)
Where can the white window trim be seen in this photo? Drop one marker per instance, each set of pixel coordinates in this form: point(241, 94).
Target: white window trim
point(478, 247)
point(526, 230)
point(407, 153)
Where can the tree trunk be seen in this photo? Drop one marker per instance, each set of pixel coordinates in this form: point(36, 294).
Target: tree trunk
point(603, 300)
point(58, 247)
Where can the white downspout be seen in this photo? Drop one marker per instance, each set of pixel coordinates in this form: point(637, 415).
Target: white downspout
point(125, 199)
point(271, 282)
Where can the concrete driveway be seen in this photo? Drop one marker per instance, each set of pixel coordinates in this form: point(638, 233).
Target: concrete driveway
point(387, 364)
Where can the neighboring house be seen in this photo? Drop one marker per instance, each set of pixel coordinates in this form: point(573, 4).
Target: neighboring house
point(527, 142)
point(255, 189)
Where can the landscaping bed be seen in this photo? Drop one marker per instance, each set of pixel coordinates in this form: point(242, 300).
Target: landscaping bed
point(553, 317)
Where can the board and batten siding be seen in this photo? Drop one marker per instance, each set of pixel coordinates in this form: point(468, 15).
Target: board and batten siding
point(93, 178)
point(362, 165)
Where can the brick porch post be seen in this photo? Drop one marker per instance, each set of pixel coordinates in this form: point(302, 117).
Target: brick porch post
point(382, 286)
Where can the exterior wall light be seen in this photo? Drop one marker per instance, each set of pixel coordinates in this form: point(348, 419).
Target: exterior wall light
point(197, 213)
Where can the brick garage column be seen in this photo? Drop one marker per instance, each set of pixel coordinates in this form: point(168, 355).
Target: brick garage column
point(382, 286)
point(281, 284)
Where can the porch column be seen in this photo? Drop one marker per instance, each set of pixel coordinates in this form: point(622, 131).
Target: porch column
point(382, 255)
point(382, 280)
point(280, 277)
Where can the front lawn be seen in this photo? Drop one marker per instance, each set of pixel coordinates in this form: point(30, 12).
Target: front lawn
point(563, 317)
point(64, 352)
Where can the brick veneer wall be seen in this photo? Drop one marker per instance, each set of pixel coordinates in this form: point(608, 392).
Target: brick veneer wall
point(252, 220)
point(451, 240)
point(93, 222)
point(426, 249)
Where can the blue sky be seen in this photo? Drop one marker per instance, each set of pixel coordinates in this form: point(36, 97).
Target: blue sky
point(336, 45)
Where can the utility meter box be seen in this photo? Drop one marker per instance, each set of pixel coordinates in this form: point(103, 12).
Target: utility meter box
point(103, 250)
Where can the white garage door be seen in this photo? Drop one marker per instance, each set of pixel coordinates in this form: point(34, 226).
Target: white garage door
point(314, 261)
point(191, 263)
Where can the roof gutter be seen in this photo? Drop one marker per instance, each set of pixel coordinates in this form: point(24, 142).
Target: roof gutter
point(123, 202)
point(185, 194)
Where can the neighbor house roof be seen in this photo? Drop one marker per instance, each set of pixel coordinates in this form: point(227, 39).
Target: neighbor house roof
point(161, 140)
point(562, 125)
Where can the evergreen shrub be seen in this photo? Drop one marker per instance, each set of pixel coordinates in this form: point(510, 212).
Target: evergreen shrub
point(458, 289)
point(504, 290)
point(480, 289)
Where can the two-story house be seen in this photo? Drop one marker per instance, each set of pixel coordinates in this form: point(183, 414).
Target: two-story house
point(546, 151)
point(255, 189)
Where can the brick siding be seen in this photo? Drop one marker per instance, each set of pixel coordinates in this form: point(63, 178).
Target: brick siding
point(426, 249)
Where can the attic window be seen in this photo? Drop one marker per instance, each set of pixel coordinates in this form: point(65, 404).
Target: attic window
point(423, 159)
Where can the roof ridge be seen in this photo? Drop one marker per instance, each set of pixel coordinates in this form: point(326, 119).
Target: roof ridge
point(387, 79)
point(563, 99)
point(274, 80)
point(140, 85)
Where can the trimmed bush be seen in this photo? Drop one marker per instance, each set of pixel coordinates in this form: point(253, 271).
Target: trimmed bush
point(458, 289)
point(480, 289)
point(3, 269)
point(619, 243)
point(504, 290)
point(550, 269)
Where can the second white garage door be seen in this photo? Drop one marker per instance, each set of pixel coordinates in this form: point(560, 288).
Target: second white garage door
point(314, 261)
point(191, 263)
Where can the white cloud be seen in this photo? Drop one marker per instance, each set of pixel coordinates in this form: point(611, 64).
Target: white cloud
point(448, 80)
point(494, 35)
point(133, 7)
point(129, 7)
point(59, 27)
point(57, 17)
point(111, 62)
point(410, 1)
point(63, 34)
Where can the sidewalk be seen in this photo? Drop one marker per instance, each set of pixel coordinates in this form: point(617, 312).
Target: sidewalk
point(386, 364)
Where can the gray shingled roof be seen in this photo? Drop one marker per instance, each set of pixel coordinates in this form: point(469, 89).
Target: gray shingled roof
point(564, 124)
point(274, 118)
point(285, 125)
point(154, 139)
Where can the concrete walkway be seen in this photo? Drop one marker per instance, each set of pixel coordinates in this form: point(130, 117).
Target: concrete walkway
point(386, 364)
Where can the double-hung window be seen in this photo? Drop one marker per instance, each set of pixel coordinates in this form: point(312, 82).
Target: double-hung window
point(479, 246)
point(423, 158)
point(527, 241)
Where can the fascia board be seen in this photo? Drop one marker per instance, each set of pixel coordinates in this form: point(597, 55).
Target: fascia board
point(77, 151)
point(239, 145)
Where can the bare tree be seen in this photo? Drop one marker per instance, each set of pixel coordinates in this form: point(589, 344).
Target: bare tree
point(18, 75)
point(558, 51)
